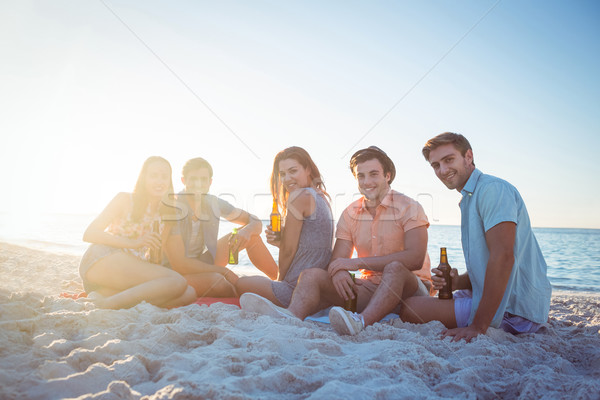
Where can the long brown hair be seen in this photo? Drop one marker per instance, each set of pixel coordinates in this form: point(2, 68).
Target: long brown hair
point(278, 190)
point(140, 193)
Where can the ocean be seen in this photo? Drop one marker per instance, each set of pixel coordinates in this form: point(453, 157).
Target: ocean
point(572, 255)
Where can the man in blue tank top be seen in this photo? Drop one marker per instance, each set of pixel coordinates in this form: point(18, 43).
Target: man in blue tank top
point(506, 285)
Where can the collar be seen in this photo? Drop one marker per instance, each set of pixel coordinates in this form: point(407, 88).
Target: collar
point(469, 188)
point(387, 201)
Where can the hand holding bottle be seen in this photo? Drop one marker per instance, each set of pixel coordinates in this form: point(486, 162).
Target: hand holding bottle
point(272, 237)
point(150, 240)
point(437, 277)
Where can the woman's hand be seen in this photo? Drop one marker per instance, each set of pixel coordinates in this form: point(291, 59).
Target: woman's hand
point(150, 240)
point(271, 237)
point(439, 281)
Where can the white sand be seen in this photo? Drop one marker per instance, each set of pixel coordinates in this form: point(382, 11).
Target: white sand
point(52, 347)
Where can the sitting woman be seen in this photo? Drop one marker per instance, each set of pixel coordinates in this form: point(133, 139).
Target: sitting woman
point(117, 270)
point(307, 232)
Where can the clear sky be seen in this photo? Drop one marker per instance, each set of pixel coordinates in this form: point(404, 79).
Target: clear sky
point(89, 89)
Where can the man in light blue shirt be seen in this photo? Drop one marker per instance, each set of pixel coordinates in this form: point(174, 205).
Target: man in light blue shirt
point(506, 285)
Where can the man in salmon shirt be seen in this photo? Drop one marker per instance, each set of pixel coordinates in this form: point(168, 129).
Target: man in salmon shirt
point(388, 231)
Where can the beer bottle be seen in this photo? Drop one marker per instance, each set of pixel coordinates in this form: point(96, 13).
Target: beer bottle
point(350, 304)
point(155, 253)
point(276, 221)
point(233, 250)
point(446, 291)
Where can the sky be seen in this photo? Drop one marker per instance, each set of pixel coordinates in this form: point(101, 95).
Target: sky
point(90, 89)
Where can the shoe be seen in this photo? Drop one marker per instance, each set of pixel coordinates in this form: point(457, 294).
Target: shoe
point(346, 322)
point(258, 304)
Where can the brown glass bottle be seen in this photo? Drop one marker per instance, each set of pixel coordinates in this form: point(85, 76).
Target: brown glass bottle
point(350, 304)
point(276, 221)
point(233, 250)
point(155, 255)
point(446, 291)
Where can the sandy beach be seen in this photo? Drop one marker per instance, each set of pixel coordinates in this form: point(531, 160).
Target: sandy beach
point(53, 347)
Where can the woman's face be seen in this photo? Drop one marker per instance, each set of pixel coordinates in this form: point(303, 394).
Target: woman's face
point(158, 179)
point(293, 175)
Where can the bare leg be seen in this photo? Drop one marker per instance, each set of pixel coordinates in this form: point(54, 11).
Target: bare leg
point(257, 252)
point(396, 284)
point(422, 309)
point(134, 281)
point(211, 284)
point(314, 292)
point(188, 297)
point(261, 257)
point(222, 256)
point(259, 285)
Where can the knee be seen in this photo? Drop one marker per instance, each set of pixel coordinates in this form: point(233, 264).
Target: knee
point(312, 275)
point(177, 283)
point(396, 268)
point(189, 295)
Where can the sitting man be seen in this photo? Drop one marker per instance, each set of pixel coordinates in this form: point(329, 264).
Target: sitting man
point(506, 284)
point(388, 231)
point(192, 247)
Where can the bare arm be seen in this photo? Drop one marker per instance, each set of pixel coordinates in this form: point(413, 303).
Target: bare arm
point(415, 247)
point(500, 242)
point(342, 251)
point(118, 207)
point(299, 206)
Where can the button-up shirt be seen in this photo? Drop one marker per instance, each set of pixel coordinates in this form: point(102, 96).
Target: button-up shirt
point(383, 234)
point(486, 202)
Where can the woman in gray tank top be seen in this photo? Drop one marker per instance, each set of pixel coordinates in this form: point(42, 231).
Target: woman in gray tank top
point(307, 232)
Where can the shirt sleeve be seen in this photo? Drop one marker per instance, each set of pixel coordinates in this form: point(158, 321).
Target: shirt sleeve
point(343, 227)
point(497, 203)
point(414, 217)
point(225, 208)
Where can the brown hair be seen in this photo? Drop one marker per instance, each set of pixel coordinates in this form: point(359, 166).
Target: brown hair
point(196, 163)
point(140, 194)
point(299, 154)
point(373, 152)
point(459, 142)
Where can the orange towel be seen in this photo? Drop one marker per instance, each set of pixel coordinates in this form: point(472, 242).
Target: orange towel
point(211, 300)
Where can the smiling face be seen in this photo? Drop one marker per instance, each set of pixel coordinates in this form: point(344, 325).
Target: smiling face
point(158, 179)
point(451, 167)
point(372, 182)
point(197, 181)
point(293, 175)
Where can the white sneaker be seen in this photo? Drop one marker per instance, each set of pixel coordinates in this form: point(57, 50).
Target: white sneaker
point(258, 304)
point(346, 322)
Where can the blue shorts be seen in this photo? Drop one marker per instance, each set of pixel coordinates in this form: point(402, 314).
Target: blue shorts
point(510, 323)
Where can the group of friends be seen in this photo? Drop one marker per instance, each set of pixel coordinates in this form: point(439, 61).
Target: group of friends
point(151, 246)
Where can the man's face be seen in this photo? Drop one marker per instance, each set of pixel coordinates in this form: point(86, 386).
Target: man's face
point(451, 167)
point(372, 182)
point(197, 181)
